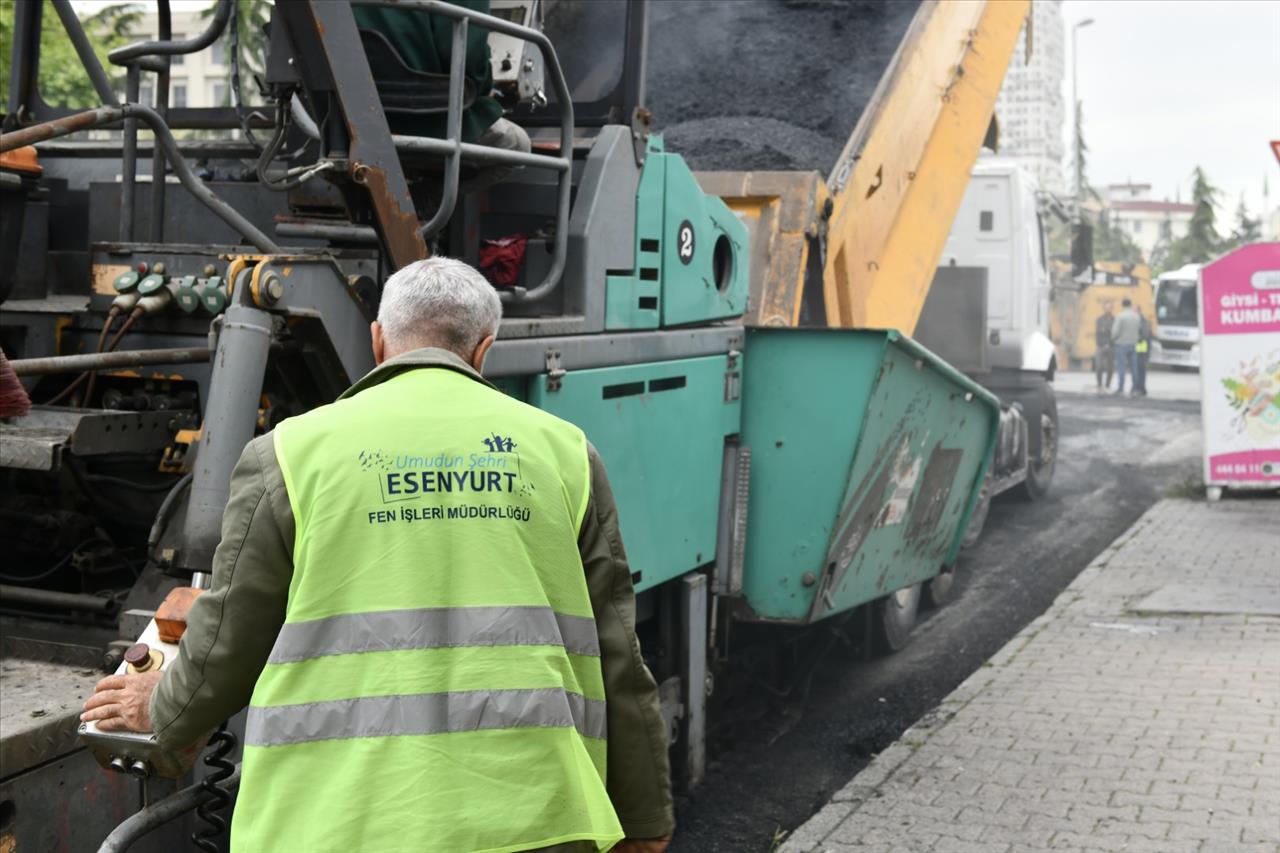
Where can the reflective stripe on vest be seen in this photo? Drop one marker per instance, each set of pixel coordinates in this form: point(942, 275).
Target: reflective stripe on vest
point(434, 628)
point(424, 714)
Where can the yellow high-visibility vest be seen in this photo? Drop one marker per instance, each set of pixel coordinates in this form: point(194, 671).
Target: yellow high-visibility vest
point(437, 681)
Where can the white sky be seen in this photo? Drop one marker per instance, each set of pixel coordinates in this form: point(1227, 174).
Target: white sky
point(1167, 84)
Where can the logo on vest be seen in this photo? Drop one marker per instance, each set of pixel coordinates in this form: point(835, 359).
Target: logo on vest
point(498, 444)
point(448, 485)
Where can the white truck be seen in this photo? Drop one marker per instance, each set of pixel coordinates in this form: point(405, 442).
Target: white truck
point(1176, 342)
point(988, 315)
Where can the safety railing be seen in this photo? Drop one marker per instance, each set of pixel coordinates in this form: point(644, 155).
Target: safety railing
point(154, 55)
point(164, 47)
point(455, 150)
point(103, 116)
point(138, 56)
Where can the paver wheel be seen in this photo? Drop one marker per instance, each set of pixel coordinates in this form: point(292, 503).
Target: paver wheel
point(893, 617)
point(1040, 471)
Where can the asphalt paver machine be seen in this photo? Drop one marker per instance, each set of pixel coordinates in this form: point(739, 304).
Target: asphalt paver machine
point(771, 464)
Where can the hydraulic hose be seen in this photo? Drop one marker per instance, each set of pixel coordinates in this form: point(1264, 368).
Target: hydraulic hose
point(158, 814)
point(166, 511)
point(102, 340)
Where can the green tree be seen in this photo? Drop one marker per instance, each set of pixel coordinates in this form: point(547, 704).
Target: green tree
point(1201, 242)
point(62, 80)
point(1247, 230)
point(1078, 158)
point(1111, 243)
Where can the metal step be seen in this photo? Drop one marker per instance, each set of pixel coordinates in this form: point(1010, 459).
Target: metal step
point(37, 440)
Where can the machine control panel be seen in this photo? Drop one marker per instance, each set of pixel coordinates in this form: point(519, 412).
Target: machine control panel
point(139, 753)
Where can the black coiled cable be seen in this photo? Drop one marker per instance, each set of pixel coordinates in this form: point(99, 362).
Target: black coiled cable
point(216, 800)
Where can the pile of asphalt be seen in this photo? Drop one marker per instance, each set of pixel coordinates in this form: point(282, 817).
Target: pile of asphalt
point(767, 84)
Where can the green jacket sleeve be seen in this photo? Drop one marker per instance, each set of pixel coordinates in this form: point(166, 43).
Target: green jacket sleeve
point(639, 777)
point(232, 627)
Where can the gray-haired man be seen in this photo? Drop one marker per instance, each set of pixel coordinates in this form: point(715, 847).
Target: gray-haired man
point(433, 654)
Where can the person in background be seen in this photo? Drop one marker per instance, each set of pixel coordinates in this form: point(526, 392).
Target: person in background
point(1104, 358)
point(1124, 337)
point(1140, 356)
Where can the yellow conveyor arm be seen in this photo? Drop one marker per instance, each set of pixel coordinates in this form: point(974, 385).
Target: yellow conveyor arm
point(899, 182)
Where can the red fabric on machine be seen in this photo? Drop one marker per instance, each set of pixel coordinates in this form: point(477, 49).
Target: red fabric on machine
point(14, 402)
point(501, 259)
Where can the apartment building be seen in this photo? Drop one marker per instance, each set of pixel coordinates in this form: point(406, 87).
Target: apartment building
point(1030, 108)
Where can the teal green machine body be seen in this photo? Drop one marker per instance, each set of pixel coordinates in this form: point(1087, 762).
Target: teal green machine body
point(661, 425)
point(868, 453)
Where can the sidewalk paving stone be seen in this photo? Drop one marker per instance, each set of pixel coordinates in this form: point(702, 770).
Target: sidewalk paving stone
point(1103, 726)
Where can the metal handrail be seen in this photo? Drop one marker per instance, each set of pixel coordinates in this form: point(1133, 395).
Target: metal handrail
point(453, 132)
point(90, 119)
point(221, 14)
point(164, 31)
point(453, 147)
point(156, 55)
point(480, 153)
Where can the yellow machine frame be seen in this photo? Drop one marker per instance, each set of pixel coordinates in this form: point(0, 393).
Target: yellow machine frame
point(1075, 309)
point(887, 207)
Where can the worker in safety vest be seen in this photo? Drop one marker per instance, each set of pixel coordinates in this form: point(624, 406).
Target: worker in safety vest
point(422, 596)
point(1141, 350)
point(1104, 357)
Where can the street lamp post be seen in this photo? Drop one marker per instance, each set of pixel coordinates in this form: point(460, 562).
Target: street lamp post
point(1075, 109)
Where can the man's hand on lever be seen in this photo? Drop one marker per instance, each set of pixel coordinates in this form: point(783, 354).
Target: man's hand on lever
point(122, 703)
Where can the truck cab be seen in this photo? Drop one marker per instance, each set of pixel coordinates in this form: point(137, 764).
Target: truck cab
point(1177, 337)
point(999, 228)
point(987, 313)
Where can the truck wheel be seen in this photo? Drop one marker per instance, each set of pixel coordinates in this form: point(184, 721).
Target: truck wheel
point(978, 519)
point(1040, 472)
point(893, 617)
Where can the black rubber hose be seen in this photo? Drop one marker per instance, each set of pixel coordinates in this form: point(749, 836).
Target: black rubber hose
point(166, 511)
point(216, 799)
point(102, 342)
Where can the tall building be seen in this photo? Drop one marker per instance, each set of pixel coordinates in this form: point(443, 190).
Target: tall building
point(1030, 109)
